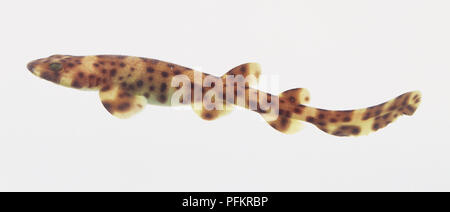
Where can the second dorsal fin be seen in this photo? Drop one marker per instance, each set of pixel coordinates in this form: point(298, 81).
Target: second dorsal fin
point(284, 123)
point(248, 69)
point(296, 96)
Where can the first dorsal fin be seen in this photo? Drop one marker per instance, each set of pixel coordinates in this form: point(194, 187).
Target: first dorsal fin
point(121, 103)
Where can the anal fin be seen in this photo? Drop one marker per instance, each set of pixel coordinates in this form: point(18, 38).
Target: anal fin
point(286, 125)
point(210, 113)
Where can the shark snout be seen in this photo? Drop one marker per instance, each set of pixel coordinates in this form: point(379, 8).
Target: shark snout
point(31, 65)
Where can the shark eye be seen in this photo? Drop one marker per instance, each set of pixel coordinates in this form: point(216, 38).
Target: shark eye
point(55, 66)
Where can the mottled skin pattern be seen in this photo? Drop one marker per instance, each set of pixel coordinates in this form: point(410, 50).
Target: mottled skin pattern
point(126, 84)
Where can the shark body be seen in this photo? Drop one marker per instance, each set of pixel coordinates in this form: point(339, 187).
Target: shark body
point(126, 84)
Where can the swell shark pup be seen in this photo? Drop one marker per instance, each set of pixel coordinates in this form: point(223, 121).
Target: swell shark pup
point(126, 84)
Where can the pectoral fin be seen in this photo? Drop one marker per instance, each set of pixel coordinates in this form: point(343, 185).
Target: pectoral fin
point(121, 103)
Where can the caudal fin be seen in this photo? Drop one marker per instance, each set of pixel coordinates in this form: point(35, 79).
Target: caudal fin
point(363, 121)
point(349, 122)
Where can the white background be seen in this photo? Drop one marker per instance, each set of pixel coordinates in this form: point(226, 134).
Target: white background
point(349, 54)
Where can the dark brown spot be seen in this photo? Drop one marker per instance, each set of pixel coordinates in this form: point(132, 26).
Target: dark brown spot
point(31, 65)
point(122, 65)
point(338, 133)
point(356, 130)
point(107, 106)
point(113, 63)
point(393, 107)
point(283, 122)
point(139, 83)
point(123, 106)
point(207, 116)
point(162, 98)
point(106, 88)
point(243, 69)
point(333, 120)
point(310, 119)
point(377, 113)
point(273, 125)
point(113, 72)
point(151, 88)
point(292, 99)
point(163, 87)
point(288, 114)
point(96, 64)
point(48, 76)
point(80, 74)
point(147, 95)
point(347, 119)
point(70, 65)
point(164, 74)
point(150, 78)
point(124, 94)
point(76, 84)
point(104, 71)
point(375, 126)
point(177, 72)
point(366, 116)
point(321, 116)
point(405, 100)
point(150, 70)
